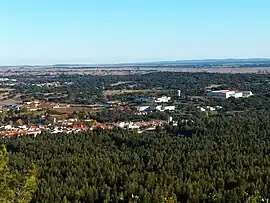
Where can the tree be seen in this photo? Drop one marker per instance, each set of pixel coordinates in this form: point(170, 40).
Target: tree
point(158, 129)
point(19, 122)
point(14, 186)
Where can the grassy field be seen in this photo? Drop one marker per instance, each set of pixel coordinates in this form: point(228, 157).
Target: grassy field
point(70, 110)
point(119, 92)
point(127, 70)
point(4, 92)
point(4, 100)
point(9, 102)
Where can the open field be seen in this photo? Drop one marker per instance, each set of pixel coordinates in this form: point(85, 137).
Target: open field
point(126, 70)
point(5, 89)
point(70, 110)
point(121, 83)
point(9, 102)
point(4, 100)
point(219, 70)
point(119, 92)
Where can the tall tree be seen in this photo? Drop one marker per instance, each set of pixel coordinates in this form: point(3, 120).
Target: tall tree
point(14, 186)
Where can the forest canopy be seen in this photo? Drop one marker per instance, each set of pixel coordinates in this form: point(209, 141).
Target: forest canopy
point(226, 160)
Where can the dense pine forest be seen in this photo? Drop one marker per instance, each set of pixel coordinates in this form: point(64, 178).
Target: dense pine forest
point(225, 160)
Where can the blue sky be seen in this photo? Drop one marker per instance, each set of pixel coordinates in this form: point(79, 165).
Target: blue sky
point(112, 31)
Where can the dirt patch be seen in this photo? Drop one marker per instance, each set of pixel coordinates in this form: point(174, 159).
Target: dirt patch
point(212, 86)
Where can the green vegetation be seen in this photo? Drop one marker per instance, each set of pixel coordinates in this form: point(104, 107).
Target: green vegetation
point(88, 89)
point(226, 160)
point(15, 186)
point(21, 117)
point(209, 157)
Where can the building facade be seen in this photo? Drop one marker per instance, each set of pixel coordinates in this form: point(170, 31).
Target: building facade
point(228, 93)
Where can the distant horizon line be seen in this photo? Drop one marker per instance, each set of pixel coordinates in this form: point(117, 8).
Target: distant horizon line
point(146, 62)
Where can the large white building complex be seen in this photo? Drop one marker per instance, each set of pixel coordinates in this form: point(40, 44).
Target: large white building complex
point(228, 93)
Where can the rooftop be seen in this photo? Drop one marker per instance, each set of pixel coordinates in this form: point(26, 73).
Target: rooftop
point(222, 91)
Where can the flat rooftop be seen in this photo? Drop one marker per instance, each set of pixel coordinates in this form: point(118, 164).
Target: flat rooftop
point(222, 91)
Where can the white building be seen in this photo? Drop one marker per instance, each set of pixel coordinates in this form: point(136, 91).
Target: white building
point(4, 79)
point(169, 108)
point(228, 93)
point(142, 108)
point(238, 95)
point(133, 126)
point(56, 131)
point(247, 93)
point(165, 108)
point(210, 108)
point(163, 99)
point(121, 124)
point(8, 127)
point(201, 109)
point(219, 107)
point(221, 93)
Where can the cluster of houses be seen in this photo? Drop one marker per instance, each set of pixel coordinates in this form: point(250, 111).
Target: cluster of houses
point(8, 82)
point(209, 108)
point(160, 104)
point(33, 106)
point(74, 126)
point(36, 105)
point(9, 130)
point(139, 124)
point(163, 99)
point(155, 108)
point(48, 84)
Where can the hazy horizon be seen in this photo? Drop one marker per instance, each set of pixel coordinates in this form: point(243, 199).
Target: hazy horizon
point(145, 62)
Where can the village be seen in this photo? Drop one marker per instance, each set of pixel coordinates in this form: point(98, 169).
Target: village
point(56, 117)
point(68, 123)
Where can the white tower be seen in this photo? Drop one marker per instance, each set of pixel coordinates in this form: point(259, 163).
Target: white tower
point(179, 93)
